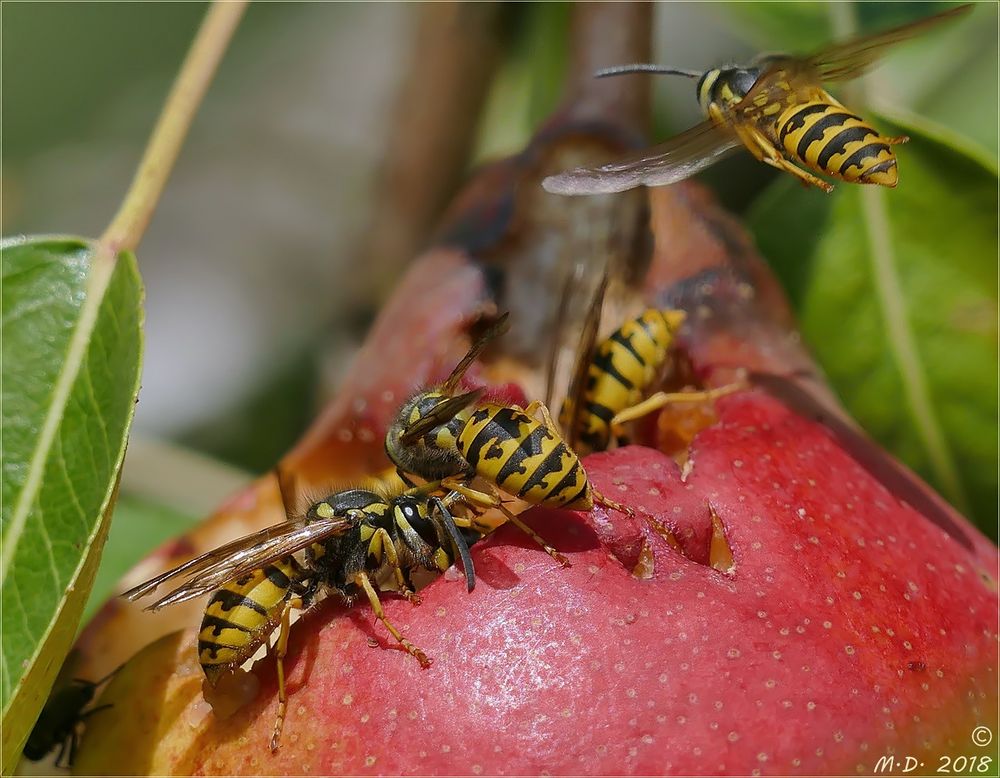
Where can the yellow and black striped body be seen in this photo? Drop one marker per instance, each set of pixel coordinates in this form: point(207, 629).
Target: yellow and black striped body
point(623, 367)
point(826, 137)
point(240, 616)
point(509, 448)
point(804, 123)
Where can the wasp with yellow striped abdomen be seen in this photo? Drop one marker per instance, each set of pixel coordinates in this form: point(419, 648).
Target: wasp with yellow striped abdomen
point(776, 108)
point(614, 376)
point(452, 439)
point(349, 542)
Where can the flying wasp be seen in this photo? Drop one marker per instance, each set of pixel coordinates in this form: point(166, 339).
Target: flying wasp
point(350, 541)
point(777, 108)
point(59, 722)
point(449, 439)
point(613, 375)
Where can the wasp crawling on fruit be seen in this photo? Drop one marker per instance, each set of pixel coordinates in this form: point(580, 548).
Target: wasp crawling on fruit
point(60, 720)
point(349, 542)
point(453, 439)
point(777, 108)
point(613, 376)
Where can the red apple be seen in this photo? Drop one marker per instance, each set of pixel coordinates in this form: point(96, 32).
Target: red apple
point(848, 628)
point(824, 608)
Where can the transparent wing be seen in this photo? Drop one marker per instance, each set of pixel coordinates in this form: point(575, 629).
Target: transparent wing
point(498, 328)
point(584, 355)
point(240, 557)
point(442, 413)
point(667, 163)
point(843, 61)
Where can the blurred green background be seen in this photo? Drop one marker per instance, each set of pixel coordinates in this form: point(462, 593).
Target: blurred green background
point(253, 304)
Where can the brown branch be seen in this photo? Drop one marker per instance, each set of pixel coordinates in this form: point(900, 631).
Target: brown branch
point(454, 56)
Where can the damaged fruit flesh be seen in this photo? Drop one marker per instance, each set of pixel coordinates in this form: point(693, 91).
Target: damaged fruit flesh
point(847, 627)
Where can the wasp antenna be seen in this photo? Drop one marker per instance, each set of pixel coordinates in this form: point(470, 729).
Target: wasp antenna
point(643, 67)
point(108, 677)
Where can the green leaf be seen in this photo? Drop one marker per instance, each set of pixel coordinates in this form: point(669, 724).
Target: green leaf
point(71, 358)
point(896, 291)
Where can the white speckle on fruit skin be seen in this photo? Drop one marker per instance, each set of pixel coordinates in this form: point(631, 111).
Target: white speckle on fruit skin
point(369, 761)
point(347, 699)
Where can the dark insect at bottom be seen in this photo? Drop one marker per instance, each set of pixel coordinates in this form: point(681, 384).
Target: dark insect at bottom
point(60, 720)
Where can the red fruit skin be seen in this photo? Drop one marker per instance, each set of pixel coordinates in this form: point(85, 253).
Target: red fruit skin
point(850, 627)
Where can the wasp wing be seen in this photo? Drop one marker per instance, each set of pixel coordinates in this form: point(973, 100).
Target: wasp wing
point(853, 58)
point(498, 328)
point(584, 356)
point(442, 413)
point(667, 163)
point(240, 557)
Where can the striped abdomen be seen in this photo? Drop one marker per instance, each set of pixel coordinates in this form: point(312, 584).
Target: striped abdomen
point(826, 137)
point(623, 367)
point(518, 454)
point(241, 615)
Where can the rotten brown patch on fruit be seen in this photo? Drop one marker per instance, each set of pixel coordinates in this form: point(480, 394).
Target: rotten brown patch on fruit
point(720, 554)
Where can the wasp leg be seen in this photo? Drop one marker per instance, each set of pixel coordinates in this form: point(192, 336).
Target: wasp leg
point(279, 658)
point(362, 580)
point(762, 148)
point(537, 406)
point(74, 744)
point(607, 502)
point(389, 548)
point(487, 500)
point(661, 399)
point(63, 748)
point(895, 141)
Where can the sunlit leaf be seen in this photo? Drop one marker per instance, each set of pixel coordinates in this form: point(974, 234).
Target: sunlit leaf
point(897, 295)
point(71, 360)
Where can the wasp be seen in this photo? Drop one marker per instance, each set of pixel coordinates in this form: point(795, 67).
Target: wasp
point(614, 375)
point(451, 439)
point(349, 541)
point(776, 107)
point(59, 722)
